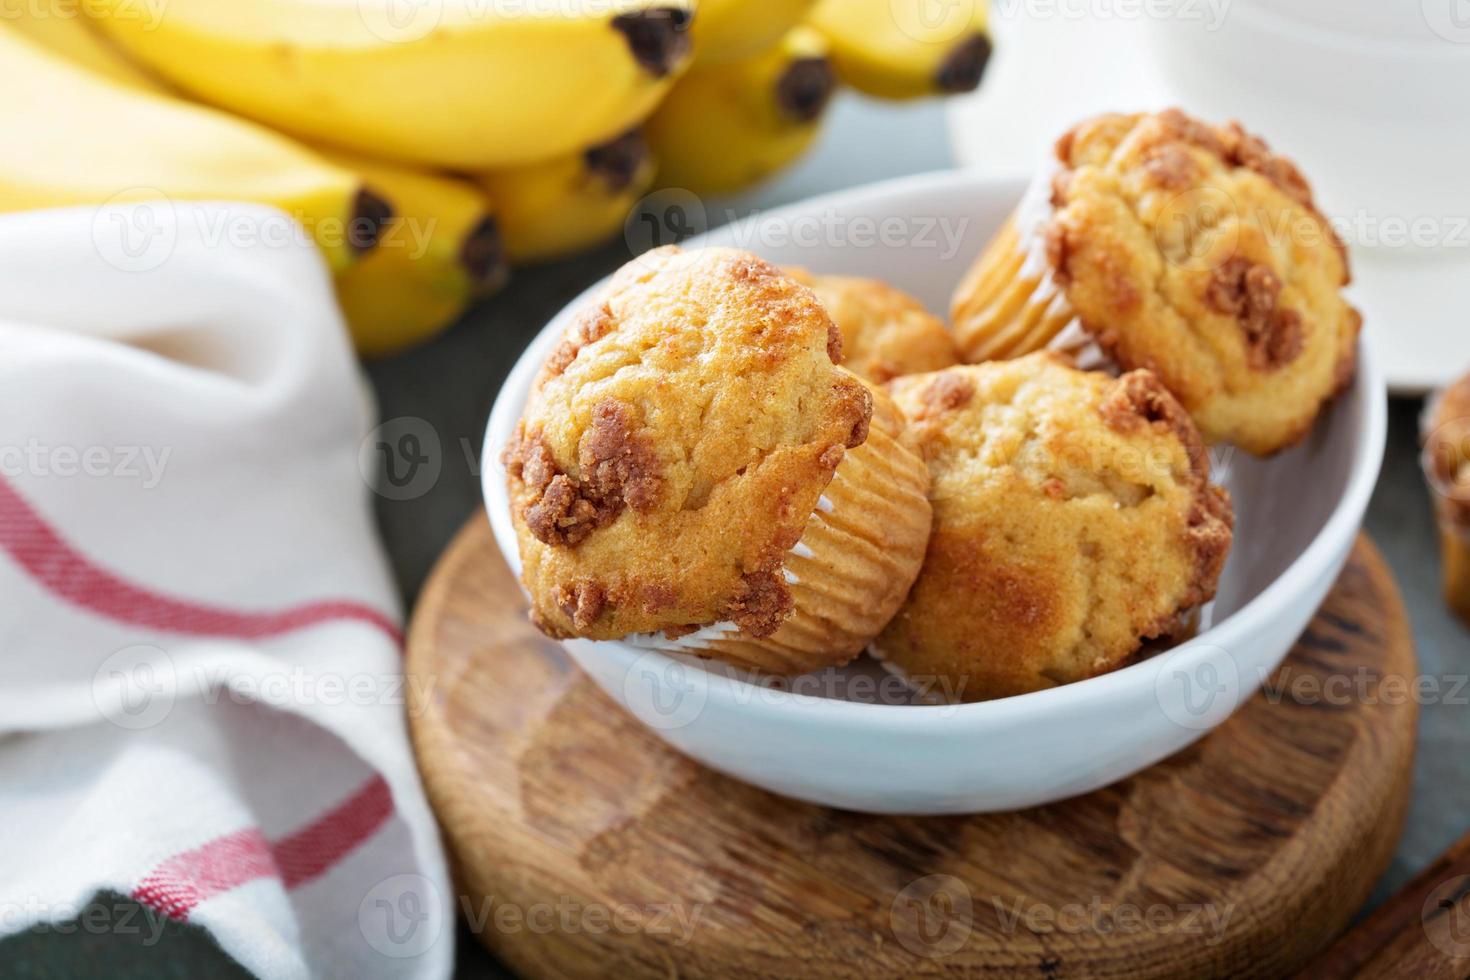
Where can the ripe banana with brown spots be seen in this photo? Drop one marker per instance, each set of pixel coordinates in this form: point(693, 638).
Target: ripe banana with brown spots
point(466, 84)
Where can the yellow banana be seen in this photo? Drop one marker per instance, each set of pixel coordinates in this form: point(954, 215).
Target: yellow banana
point(731, 30)
point(61, 27)
point(902, 49)
point(468, 84)
point(553, 209)
point(78, 138)
point(440, 252)
point(727, 126)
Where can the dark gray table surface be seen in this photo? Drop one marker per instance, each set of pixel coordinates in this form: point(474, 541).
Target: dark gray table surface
point(451, 382)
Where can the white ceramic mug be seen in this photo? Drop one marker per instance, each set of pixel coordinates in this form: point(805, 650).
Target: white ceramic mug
point(1369, 96)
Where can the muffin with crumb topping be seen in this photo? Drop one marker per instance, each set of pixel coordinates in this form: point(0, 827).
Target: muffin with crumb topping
point(1074, 519)
point(694, 473)
point(886, 333)
point(1447, 467)
point(1158, 241)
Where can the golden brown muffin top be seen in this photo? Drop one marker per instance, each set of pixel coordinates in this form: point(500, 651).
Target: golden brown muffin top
point(1073, 518)
point(1447, 451)
point(676, 444)
point(1193, 250)
point(886, 332)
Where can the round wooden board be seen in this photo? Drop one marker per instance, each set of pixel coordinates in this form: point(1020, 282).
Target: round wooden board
point(584, 847)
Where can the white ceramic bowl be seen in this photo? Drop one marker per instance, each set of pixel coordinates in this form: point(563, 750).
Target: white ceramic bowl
point(833, 738)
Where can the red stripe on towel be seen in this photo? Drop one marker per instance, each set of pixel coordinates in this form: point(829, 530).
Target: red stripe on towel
point(177, 886)
point(312, 850)
point(63, 570)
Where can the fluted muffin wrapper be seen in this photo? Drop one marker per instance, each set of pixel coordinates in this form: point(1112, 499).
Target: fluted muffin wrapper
point(1445, 493)
point(1454, 533)
point(1010, 303)
point(851, 570)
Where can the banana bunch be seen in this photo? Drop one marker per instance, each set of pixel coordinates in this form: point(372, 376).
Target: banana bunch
point(427, 146)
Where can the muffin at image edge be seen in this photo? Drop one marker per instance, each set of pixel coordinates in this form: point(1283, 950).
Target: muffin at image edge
point(1073, 520)
point(886, 333)
point(1447, 467)
point(1155, 240)
point(693, 473)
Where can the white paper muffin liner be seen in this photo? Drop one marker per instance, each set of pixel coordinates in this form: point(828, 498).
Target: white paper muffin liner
point(1033, 271)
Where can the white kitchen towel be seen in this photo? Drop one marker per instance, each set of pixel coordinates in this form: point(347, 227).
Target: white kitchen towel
point(202, 703)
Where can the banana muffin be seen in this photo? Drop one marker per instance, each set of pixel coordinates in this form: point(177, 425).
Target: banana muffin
point(1447, 467)
point(694, 473)
point(886, 333)
point(1073, 520)
point(1163, 242)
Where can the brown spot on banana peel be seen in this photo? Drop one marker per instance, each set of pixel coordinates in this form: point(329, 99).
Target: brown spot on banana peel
point(658, 37)
point(370, 213)
point(482, 257)
point(964, 66)
point(617, 161)
point(804, 88)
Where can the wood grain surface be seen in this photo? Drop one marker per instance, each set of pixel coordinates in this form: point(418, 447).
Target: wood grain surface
point(584, 847)
point(1423, 931)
